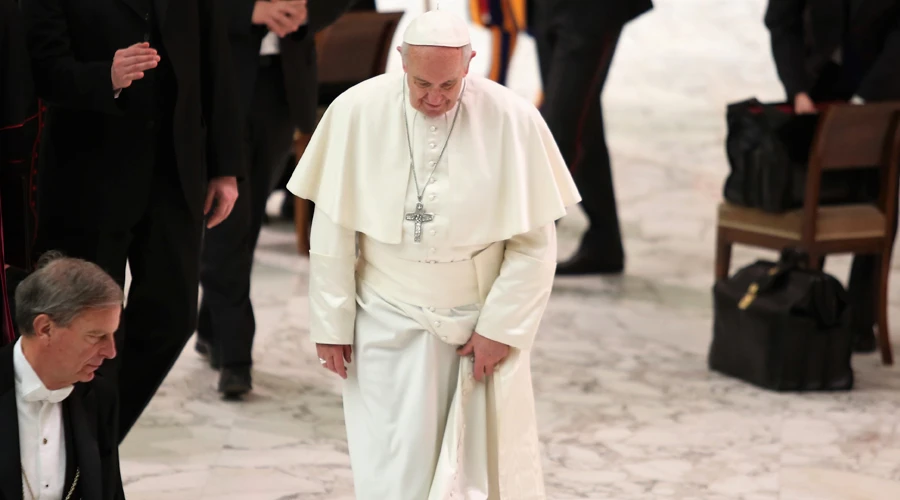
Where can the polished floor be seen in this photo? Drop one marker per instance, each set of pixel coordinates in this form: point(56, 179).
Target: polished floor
point(627, 408)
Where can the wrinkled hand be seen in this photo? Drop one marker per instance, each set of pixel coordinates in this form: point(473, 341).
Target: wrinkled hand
point(130, 64)
point(223, 191)
point(281, 17)
point(335, 356)
point(803, 104)
point(488, 354)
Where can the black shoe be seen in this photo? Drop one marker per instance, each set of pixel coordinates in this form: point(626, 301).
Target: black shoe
point(585, 262)
point(204, 348)
point(235, 382)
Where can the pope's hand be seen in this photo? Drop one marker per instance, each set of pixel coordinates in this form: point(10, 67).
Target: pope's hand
point(224, 191)
point(333, 357)
point(488, 354)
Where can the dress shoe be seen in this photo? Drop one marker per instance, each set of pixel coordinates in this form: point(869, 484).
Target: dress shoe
point(205, 349)
point(585, 262)
point(235, 382)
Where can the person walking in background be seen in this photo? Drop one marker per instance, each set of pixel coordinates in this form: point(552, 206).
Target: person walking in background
point(274, 52)
point(576, 42)
point(140, 150)
point(840, 50)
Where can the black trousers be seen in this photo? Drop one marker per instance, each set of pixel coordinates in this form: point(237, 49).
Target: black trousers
point(574, 68)
point(162, 250)
point(833, 84)
point(226, 317)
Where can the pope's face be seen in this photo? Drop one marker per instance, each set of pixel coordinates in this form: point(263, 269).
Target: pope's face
point(435, 75)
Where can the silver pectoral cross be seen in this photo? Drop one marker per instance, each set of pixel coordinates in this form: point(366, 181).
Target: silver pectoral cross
point(419, 217)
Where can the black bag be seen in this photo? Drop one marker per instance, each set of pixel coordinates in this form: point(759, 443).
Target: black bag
point(768, 151)
point(783, 327)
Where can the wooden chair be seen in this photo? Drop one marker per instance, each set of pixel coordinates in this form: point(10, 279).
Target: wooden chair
point(353, 49)
point(848, 137)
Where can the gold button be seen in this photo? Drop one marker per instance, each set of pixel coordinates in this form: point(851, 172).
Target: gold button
point(45, 440)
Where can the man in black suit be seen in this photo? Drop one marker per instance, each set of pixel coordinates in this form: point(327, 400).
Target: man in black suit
point(840, 50)
point(576, 41)
point(275, 59)
point(142, 139)
point(56, 413)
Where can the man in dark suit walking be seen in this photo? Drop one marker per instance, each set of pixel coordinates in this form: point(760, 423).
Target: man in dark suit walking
point(56, 412)
point(141, 147)
point(840, 50)
point(576, 42)
point(275, 60)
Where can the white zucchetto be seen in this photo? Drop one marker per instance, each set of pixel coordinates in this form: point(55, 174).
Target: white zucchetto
point(437, 28)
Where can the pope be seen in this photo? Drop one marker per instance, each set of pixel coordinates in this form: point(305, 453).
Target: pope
point(432, 257)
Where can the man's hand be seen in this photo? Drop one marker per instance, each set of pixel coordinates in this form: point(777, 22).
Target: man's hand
point(803, 104)
point(488, 354)
point(224, 191)
point(281, 17)
point(129, 64)
point(335, 356)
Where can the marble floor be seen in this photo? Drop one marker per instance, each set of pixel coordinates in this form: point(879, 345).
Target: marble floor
point(627, 407)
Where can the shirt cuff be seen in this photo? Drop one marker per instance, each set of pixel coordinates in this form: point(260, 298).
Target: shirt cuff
point(857, 100)
point(116, 94)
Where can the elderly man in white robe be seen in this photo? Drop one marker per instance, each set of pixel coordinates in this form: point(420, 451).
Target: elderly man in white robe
point(433, 252)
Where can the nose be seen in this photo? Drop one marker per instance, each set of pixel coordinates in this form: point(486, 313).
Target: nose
point(108, 350)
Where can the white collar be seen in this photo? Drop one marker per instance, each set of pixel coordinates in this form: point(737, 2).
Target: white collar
point(29, 386)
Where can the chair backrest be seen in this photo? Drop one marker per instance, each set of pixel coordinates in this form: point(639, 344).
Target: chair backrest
point(854, 137)
point(356, 47)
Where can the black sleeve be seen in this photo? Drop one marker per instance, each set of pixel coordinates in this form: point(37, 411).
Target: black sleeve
point(880, 83)
point(59, 77)
point(784, 19)
point(321, 14)
point(220, 110)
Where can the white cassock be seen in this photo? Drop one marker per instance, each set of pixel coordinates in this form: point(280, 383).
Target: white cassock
point(418, 425)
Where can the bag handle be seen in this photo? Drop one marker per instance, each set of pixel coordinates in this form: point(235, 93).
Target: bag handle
point(790, 260)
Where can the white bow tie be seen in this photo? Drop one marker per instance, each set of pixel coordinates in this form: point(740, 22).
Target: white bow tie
point(44, 394)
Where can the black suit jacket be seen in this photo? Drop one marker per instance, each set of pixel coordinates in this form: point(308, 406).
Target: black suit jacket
point(806, 33)
point(97, 157)
point(89, 417)
point(18, 135)
point(297, 52)
point(593, 19)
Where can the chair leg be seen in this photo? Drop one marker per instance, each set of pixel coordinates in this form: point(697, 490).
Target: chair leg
point(723, 256)
point(884, 333)
point(301, 207)
point(301, 225)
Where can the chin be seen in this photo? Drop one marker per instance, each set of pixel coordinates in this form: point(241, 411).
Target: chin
point(430, 111)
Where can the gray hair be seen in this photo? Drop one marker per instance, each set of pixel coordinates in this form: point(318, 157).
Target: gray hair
point(62, 288)
point(466, 52)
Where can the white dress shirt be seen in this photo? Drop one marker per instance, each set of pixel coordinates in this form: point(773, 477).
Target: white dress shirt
point(42, 443)
point(270, 45)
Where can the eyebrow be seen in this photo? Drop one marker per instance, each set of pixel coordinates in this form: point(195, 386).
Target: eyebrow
point(429, 83)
